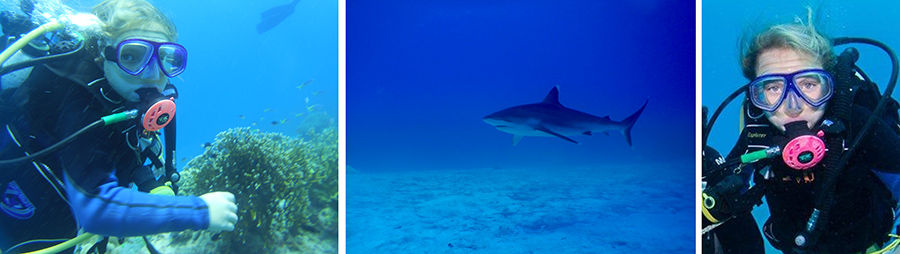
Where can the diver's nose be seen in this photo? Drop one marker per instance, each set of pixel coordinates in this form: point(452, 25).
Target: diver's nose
point(793, 105)
point(151, 72)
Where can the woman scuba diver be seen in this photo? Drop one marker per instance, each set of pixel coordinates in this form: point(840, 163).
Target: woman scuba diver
point(59, 176)
point(818, 148)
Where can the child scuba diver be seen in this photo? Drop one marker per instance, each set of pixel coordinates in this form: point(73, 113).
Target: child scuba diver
point(79, 129)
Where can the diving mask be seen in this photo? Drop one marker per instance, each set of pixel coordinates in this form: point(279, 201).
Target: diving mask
point(135, 55)
point(768, 92)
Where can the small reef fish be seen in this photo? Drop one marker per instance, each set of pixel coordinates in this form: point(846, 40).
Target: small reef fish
point(206, 145)
point(299, 115)
point(267, 110)
point(242, 117)
point(254, 124)
point(274, 122)
point(305, 84)
point(314, 107)
point(319, 92)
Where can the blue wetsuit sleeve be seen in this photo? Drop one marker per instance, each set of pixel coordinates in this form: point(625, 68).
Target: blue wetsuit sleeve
point(122, 212)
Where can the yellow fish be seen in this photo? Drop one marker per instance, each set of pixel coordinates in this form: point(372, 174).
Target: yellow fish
point(305, 84)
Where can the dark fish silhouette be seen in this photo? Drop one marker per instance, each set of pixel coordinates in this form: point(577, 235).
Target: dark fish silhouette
point(274, 16)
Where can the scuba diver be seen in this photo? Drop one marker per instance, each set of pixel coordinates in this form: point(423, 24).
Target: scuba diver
point(81, 146)
point(819, 143)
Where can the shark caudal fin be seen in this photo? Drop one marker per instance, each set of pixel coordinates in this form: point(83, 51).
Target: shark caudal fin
point(629, 122)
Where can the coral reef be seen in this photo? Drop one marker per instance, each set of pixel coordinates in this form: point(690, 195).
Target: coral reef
point(284, 186)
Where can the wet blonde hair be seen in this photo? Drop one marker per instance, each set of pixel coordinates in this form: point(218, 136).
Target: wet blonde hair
point(796, 36)
point(120, 16)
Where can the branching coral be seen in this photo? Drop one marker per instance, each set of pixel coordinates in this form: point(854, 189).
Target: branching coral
point(284, 186)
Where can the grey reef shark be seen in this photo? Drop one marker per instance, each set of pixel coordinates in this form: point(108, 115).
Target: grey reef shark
point(548, 118)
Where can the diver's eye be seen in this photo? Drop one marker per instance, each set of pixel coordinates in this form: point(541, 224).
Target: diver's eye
point(774, 87)
point(129, 56)
point(808, 83)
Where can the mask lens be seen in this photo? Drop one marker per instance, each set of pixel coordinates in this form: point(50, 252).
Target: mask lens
point(766, 92)
point(172, 59)
point(816, 87)
point(133, 56)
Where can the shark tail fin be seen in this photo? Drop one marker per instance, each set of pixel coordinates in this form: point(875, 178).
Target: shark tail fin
point(629, 122)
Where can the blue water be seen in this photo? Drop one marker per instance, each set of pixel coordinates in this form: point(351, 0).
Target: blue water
point(725, 22)
point(421, 75)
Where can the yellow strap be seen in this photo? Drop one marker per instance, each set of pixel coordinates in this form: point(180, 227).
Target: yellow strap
point(705, 211)
point(889, 247)
point(65, 245)
point(163, 190)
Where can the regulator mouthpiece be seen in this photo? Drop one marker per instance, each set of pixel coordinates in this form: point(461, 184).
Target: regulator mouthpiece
point(806, 149)
point(159, 109)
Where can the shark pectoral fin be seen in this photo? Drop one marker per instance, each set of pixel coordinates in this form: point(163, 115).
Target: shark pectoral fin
point(516, 139)
point(540, 128)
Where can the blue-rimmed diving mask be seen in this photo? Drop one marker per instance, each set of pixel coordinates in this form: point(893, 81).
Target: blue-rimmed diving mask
point(135, 55)
point(814, 86)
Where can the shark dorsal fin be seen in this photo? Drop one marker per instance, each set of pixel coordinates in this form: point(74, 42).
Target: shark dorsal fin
point(552, 96)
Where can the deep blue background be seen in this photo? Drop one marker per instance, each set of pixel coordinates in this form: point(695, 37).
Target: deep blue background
point(422, 74)
point(725, 21)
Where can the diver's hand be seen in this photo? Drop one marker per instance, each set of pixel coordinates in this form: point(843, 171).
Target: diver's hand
point(222, 210)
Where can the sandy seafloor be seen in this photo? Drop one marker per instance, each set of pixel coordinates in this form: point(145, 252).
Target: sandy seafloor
point(602, 209)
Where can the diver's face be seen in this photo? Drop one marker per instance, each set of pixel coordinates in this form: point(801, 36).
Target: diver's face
point(785, 61)
point(125, 84)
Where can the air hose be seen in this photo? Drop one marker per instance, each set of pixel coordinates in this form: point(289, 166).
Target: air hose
point(106, 120)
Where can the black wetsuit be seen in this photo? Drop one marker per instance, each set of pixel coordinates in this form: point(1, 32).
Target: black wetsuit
point(731, 236)
point(44, 110)
point(862, 214)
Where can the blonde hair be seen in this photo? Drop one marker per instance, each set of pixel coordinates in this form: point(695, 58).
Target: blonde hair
point(797, 36)
point(120, 16)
